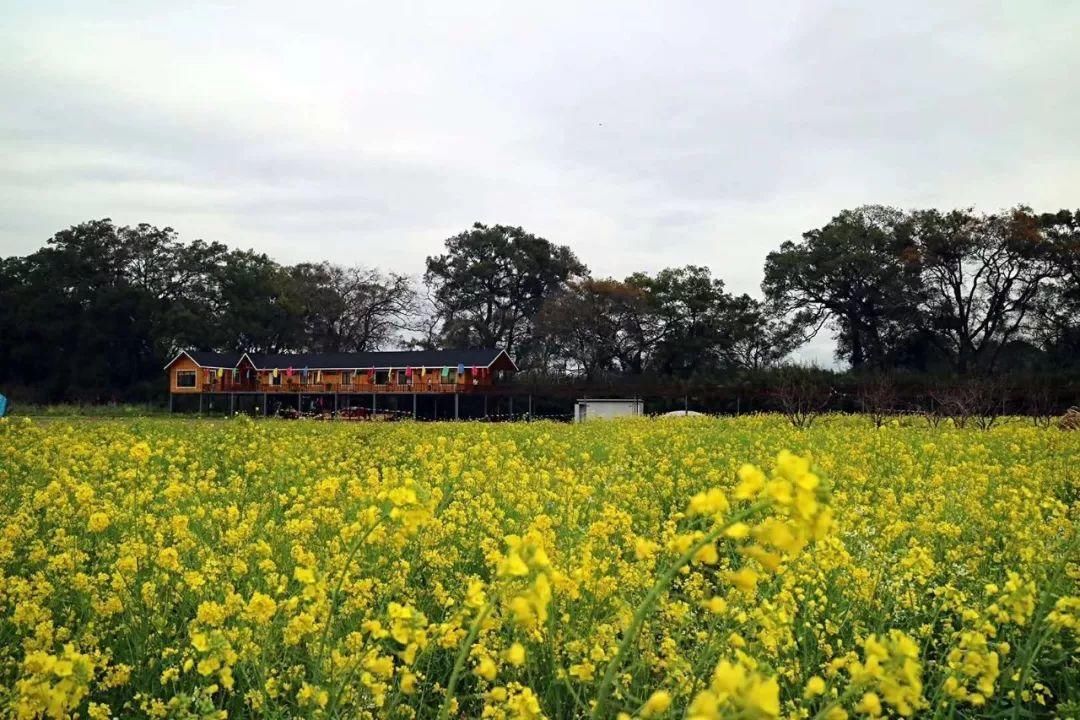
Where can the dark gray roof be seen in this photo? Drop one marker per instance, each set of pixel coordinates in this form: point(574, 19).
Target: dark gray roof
point(214, 359)
point(349, 361)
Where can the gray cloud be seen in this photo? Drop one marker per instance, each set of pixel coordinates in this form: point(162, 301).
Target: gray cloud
point(641, 134)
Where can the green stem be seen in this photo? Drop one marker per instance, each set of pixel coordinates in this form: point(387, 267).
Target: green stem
point(1019, 698)
point(337, 590)
point(459, 661)
point(653, 595)
point(849, 692)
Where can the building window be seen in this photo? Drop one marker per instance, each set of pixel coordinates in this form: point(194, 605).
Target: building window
point(185, 378)
point(275, 379)
point(346, 377)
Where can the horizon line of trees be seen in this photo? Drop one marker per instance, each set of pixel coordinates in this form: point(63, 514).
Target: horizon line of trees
point(96, 313)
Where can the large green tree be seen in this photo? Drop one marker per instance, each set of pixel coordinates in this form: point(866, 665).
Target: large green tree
point(981, 277)
point(95, 311)
point(857, 274)
point(349, 309)
point(597, 325)
point(689, 304)
point(489, 286)
point(1057, 322)
point(754, 336)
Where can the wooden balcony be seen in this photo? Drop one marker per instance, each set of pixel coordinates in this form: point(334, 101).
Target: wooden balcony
point(296, 388)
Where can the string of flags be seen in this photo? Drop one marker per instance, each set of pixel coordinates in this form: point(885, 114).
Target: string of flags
point(364, 413)
point(394, 376)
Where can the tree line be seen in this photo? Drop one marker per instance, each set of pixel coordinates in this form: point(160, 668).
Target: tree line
point(96, 313)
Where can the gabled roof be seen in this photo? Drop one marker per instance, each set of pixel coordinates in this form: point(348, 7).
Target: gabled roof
point(356, 361)
point(206, 359)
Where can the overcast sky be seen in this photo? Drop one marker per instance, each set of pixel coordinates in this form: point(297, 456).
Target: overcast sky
point(643, 135)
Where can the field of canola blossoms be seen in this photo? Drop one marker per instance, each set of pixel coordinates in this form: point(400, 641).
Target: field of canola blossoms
point(690, 568)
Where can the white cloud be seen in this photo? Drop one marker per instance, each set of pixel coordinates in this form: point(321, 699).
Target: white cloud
point(643, 134)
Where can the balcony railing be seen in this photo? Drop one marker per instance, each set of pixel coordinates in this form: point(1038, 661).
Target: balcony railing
point(343, 388)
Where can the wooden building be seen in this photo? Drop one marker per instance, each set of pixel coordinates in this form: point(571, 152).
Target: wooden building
point(323, 382)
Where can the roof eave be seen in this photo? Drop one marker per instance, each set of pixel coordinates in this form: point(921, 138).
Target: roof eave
point(500, 354)
point(178, 356)
point(250, 360)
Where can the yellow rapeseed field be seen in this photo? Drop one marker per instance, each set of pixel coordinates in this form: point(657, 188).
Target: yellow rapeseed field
point(693, 568)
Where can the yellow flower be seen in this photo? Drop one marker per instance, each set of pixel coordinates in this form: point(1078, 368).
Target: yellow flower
point(751, 482)
point(707, 554)
point(515, 655)
point(585, 671)
point(710, 502)
point(657, 704)
point(312, 695)
point(716, 605)
point(739, 685)
point(738, 531)
point(380, 665)
point(728, 678)
point(763, 695)
point(704, 706)
point(140, 452)
point(169, 559)
point(513, 565)
point(744, 579)
point(208, 666)
point(870, 704)
point(99, 522)
point(814, 686)
point(261, 608)
point(200, 642)
point(486, 669)
point(127, 565)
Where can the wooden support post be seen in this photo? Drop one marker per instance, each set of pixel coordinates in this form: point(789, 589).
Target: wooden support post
point(511, 408)
point(170, 403)
point(530, 406)
point(373, 404)
point(485, 405)
point(200, 403)
point(266, 410)
point(456, 406)
point(414, 406)
point(232, 403)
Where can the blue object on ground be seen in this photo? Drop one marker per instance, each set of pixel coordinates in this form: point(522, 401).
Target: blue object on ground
point(3, 405)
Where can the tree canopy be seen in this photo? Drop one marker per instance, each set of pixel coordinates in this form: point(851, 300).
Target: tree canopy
point(97, 311)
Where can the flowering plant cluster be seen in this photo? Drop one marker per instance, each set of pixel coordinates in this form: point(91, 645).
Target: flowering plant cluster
point(640, 569)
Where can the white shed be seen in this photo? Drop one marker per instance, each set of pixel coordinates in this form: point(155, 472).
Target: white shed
point(595, 408)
